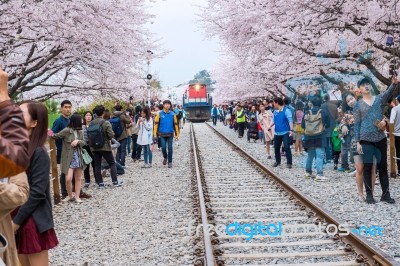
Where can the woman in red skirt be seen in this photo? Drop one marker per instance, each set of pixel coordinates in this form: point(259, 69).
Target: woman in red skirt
point(33, 221)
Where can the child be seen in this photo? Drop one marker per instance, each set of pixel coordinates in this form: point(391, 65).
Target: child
point(260, 133)
point(337, 143)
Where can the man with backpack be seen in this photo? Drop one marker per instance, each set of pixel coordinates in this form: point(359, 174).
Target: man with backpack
point(165, 127)
point(120, 122)
point(315, 122)
point(100, 133)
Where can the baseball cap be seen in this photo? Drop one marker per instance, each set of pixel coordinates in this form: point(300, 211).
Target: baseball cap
point(363, 82)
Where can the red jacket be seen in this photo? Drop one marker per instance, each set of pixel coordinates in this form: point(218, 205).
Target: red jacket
point(14, 140)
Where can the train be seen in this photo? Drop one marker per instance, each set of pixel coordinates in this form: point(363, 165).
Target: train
point(197, 103)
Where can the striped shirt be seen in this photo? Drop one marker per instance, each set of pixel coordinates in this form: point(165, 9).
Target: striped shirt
point(365, 117)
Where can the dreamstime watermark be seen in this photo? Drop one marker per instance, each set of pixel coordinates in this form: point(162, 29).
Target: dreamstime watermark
point(280, 229)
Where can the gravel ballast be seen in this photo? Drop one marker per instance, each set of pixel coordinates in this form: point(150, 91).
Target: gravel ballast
point(338, 195)
point(144, 222)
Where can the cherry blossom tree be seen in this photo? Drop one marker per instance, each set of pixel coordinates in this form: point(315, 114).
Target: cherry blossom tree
point(93, 47)
point(280, 42)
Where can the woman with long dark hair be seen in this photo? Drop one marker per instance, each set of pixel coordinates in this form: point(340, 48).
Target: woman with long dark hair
point(71, 156)
point(145, 135)
point(87, 118)
point(33, 221)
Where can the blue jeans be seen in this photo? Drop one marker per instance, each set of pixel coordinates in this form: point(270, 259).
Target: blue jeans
point(147, 154)
point(128, 144)
point(345, 148)
point(164, 142)
point(328, 149)
point(261, 136)
point(121, 152)
point(214, 120)
point(286, 144)
point(319, 161)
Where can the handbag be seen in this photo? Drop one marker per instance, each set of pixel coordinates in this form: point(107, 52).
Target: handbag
point(298, 129)
point(86, 157)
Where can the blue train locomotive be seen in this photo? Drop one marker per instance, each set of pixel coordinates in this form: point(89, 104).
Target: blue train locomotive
point(197, 103)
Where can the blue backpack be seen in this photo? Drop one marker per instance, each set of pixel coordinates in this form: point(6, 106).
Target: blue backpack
point(117, 126)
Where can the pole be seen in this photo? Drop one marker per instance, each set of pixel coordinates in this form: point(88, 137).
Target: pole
point(54, 170)
point(391, 151)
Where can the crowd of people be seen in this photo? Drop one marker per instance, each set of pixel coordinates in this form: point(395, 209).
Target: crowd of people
point(350, 132)
point(95, 139)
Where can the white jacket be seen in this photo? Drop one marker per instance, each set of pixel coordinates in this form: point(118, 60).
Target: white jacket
point(145, 134)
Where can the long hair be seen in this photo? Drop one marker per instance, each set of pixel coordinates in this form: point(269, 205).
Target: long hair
point(84, 115)
point(345, 106)
point(75, 122)
point(37, 111)
point(146, 111)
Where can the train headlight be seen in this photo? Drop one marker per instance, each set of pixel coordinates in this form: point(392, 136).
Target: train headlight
point(197, 87)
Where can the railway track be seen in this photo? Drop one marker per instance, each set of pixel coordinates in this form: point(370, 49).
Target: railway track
point(238, 196)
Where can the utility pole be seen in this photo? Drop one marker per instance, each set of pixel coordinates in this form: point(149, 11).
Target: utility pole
point(149, 76)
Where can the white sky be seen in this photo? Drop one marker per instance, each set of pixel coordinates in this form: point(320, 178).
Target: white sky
point(175, 23)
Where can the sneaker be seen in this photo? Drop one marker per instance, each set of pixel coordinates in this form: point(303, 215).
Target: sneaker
point(289, 166)
point(353, 173)
point(165, 161)
point(87, 185)
point(84, 195)
point(68, 199)
point(145, 166)
point(342, 169)
point(269, 157)
point(63, 196)
point(388, 199)
point(361, 198)
point(308, 176)
point(101, 186)
point(276, 164)
point(78, 200)
point(335, 167)
point(118, 184)
point(321, 178)
point(398, 175)
point(370, 199)
point(169, 165)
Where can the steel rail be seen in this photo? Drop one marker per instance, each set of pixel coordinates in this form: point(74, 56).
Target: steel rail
point(208, 247)
point(373, 255)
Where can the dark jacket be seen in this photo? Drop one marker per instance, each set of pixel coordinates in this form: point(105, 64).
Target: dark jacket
point(252, 127)
point(13, 141)
point(332, 110)
point(39, 201)
point(108, 133)
point(318, 141)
